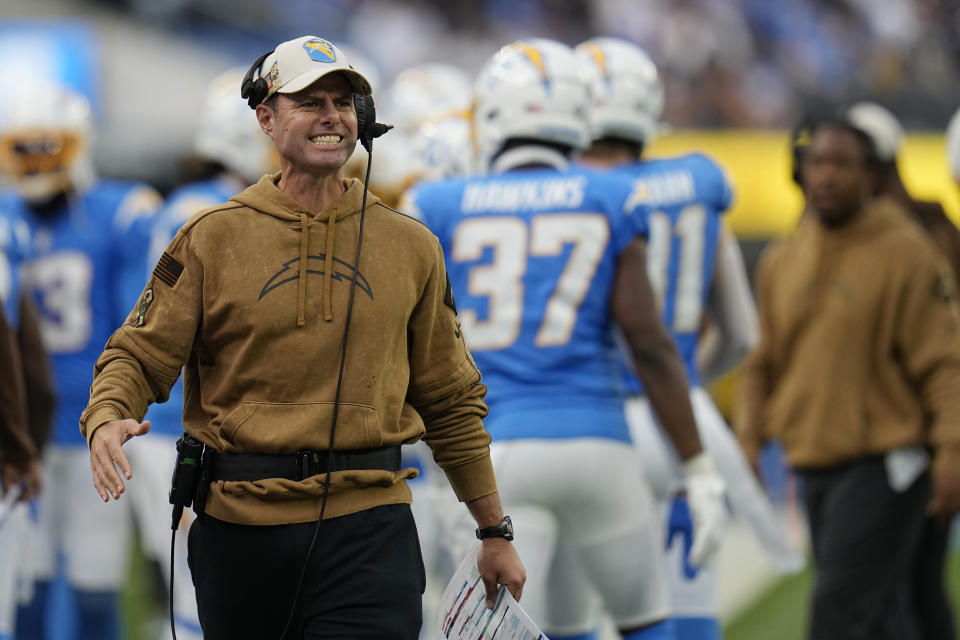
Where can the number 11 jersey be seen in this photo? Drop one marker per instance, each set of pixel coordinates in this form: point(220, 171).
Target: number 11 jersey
point(685, 198)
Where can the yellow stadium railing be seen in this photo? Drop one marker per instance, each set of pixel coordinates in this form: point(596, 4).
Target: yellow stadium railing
point(767, 203)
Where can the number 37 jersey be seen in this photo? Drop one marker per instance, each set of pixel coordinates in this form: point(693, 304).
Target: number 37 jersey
point(531, 257)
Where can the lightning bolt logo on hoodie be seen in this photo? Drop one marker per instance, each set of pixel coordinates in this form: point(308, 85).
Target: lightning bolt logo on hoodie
point(343, 271)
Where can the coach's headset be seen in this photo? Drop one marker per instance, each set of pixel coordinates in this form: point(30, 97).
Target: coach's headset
point(255, 90)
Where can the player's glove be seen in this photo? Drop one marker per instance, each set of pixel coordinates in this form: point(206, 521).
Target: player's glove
point(705, 494)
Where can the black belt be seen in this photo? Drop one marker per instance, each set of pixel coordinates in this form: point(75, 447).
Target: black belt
point(250, 467)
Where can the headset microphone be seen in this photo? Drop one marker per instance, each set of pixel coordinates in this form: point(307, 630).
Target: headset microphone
point(367, 126)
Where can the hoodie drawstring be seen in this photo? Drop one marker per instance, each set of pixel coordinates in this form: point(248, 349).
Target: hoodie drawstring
point(302, 276)
point(328, 266)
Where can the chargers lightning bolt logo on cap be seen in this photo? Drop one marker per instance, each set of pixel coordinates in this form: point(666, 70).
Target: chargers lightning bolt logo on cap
point(320, 50)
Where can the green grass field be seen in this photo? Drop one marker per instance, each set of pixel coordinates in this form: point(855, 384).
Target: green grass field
point(782, 612)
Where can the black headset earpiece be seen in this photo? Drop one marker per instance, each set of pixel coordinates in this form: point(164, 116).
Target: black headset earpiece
point(254, 88)
point(367, 126)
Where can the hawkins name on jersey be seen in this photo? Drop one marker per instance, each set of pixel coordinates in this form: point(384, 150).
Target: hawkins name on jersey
point(531, 257)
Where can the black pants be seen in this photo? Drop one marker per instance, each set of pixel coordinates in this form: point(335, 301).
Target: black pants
point(865, 539)
point(365, 578)
point(926, 601)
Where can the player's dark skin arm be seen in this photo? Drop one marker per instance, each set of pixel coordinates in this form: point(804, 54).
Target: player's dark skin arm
point(657, 363)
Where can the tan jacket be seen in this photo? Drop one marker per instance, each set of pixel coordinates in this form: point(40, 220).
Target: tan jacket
point(16, 446)
point(261, 347)
point(859, 344)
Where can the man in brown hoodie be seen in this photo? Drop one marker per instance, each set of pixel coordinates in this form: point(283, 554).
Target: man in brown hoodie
point(253, 299)
point(18, 452)
point(928, 610)
point(856, 373)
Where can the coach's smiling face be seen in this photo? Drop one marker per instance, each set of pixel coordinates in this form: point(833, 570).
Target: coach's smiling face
point(314, 130)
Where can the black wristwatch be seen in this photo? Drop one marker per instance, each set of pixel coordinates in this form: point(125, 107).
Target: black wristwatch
point(503, 530)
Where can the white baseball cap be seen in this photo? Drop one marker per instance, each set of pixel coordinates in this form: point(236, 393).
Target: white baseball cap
point(953, 145)
point(296, 64)
point(880, 125)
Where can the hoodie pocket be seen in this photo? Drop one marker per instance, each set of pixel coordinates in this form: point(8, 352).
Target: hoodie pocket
point(277, 427)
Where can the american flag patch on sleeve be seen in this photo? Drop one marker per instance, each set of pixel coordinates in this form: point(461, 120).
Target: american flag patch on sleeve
point(168, 270)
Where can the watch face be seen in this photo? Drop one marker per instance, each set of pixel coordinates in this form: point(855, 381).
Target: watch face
point(502, 530)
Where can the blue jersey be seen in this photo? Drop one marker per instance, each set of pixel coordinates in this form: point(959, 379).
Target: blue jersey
point(74, 275)
point(531, 258)
point(152, 236)
point(686, 197)
point(14, 251)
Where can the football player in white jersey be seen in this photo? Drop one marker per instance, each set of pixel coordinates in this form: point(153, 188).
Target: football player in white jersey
point(698, 274)
point(542, 261)
point(80, 226)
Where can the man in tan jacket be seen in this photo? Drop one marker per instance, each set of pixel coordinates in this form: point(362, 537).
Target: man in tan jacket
point(928, 602)
point(857, 373)
point(303, 426)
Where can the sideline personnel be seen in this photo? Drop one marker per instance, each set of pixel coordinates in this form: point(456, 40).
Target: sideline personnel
point(930, 614)
point(252, 297)
point(856, 372)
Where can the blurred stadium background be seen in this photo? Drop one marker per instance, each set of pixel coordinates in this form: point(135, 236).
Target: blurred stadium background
point(738, 74)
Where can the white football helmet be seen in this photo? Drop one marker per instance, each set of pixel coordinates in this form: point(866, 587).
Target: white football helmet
point(531, 89)
point(880, 125)
point(395, 168)
point(426, 92)
point(953, 146)
point(229, 132)
point(45, 136)
point(362, 62)
point(444, 147)
point(626, 92)
point(420, 96)
point(441, 148)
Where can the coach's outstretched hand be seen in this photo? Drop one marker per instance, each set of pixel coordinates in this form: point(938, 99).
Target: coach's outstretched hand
point(106, 454)
point(705, 494)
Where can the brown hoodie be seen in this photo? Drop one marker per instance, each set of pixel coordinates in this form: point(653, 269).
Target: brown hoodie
point(859, 347)
point(16, 446)
point(259, 337)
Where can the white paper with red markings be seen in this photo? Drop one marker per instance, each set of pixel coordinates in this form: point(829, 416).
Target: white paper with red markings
point(463, 614)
